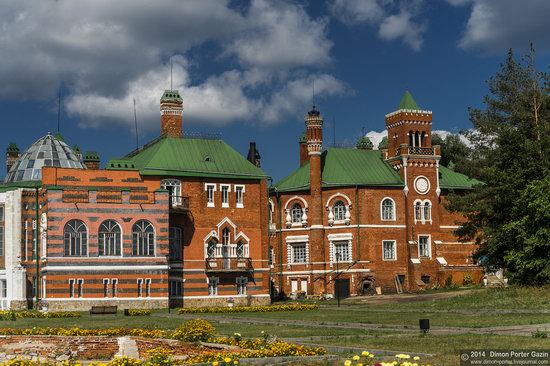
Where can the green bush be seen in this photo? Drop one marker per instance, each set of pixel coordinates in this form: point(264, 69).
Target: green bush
point(13, 315)
point(138, 312)
point(194, 330)
point(467, 280)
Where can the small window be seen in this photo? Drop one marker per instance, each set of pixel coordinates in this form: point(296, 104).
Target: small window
point(424, 249)
point(174, 239)
point(175, 288)
point(211, 249)
point(71, 288)
point(427, 211)
point(226, 236)
point(173, 186)
point(80, 287)
point(298, 252)
point(140, 287)
point(389, 250)
point(213, 286)
point(418, 211)
point(239, 196)
point(114, 287)
point(341, 251)
point(3, 289)
point(106, 287)
point(1, 213)
point(296, 213)
point(425, 279)
point(241, 285)
point(1, 241)
point(147, 287)
point(225, 195)
point(271, 256)
point(210, 189)
point(240, 250)
point(339, 211)
point(388, 209)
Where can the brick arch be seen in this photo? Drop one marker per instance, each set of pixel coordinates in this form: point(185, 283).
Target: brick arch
point(337, 195)
point(296, 198)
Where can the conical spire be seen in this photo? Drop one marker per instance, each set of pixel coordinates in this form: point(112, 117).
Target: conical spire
point(407, 102)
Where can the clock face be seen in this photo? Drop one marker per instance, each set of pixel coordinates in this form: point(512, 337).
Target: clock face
point(422, 185)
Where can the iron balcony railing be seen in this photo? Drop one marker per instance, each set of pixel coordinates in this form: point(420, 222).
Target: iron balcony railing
point(416, 150)
point(179, 203)
point(229, 264)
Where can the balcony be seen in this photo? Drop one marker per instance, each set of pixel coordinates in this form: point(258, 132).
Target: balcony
point(415, 150)
point(228, 258)
point(179, 204)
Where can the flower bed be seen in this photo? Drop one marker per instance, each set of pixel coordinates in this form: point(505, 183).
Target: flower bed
point(252, 309)
point(368, 359)
point(112, 332)
point(137, 312)
point(13, 315)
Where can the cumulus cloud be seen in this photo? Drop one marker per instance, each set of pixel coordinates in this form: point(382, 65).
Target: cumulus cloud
point(395, 21)
point(494, 26)
point(105, 56)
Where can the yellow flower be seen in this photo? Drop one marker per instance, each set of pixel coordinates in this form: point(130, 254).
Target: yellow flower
point(356, 358)
point(235, 362)
point(227, 359)
point(347, 363)
point(365, 353)
point(215, 363)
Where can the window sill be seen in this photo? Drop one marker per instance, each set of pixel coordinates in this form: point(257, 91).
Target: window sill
point(389, 259)
point(225, 205)
point(240, 205)
point(210, 204)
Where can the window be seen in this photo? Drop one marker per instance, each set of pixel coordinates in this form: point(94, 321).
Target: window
point(225, 195)
point(342, 251)
point(388, 210)
point(425, 279)
point(210, 189)
point(388, 250)
point(114, 287)
point(424, 249)
point(175, 288)
point(418, 211)
point(80, 287)
point(110, 239)
point(140, 287)
point(240, 249)
point(299, 254)
point(239, 196)
point(211, 249)
point(271, 257)
point(143, 239)
point(1, 241)
point(174, 239)
point(3, 289)
point(339, 211)
point(296, 214)
point(241, 285)
point(174, 187)
point(423, 211)
point(147, 287)
point(225, 236)
point(1, 213)
point(427, 211)
point(71, 288)
point(75, 238)
point(105, 287)
point(213, 286)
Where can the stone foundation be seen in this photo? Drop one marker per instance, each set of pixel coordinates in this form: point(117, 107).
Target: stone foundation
point(85, 305)
point(223, 301)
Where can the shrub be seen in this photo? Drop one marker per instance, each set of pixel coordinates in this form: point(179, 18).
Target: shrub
point(467, 280)
point(252, 309)
point(12, 315)
point(194, 330)
point(138, 312)
point(449, 281)
point(539, 334)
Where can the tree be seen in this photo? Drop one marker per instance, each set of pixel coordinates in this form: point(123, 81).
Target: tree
point(455, 153)
point(510, 154)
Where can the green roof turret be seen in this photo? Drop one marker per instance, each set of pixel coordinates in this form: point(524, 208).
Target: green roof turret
point(364, 143)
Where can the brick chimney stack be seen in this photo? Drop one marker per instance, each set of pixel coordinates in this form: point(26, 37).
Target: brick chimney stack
point(304, 156)
point(171, 110)
point(12, 154)
point(92, 160)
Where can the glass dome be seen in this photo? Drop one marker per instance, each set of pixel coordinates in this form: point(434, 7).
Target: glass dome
point(48, 151)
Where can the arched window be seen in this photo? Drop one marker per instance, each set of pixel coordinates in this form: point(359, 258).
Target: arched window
point(110, 238)
point(418, 211)
point(417, 139)
point(296, 213)
point(411, 138)
point(76, 239)
point(339, 210)
point(143, 239)
point(226, 236)
point(211, 249)
point(174, 187)
point(427, 210)
point(388, 209)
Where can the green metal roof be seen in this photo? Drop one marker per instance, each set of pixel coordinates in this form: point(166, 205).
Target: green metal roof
point(345, 167)
point(407, 102)
point(171, 96)
point(91, 156)
point(449, 179)
point(12, 147)
point(190, 157)
point(5, 187)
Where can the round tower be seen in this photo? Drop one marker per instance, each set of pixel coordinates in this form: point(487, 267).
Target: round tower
point(171, 111)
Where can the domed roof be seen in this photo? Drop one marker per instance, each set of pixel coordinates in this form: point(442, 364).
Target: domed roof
point(48, 151)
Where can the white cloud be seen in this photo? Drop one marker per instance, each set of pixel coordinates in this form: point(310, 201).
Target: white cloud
point(394, 20)
point(377, 136)
point(495, 26)
point(105, 55)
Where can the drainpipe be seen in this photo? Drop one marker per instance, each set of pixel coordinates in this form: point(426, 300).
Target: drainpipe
point(269, 239)
point(280, 243)
point(36, 257)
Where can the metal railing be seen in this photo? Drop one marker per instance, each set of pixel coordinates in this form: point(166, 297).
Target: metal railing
point(179, 203)
point(228, 264)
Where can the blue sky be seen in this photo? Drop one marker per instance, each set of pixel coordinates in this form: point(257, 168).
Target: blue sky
point(245, 68)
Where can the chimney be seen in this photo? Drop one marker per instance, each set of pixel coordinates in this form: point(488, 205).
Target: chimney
point(91, 160)
point(12, 154)
point(304, 156)
point(171, 110)
point(254, 155)
point(364, 143)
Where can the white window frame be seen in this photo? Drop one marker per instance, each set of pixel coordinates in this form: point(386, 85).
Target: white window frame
point(147, 287)
point(2, 241)
point(114, 287)
point(72, 283)
point(296, 223)
point(342, 219)
point(210, 201)
point(420, 215)
point(80, 287)
point(213, 283)
point(241, 188)
point(242, 283)
point(139, 282)
point(106, 288)
point(338, 239)
point(394, 245)
point(2, 213)
point(429, 246)
point(393, 211)
point(296, 240)
point(347, 245)
point(3, 288)
point(175, 192)
point(292, 255)
point(226, 198)
point(141, 241)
